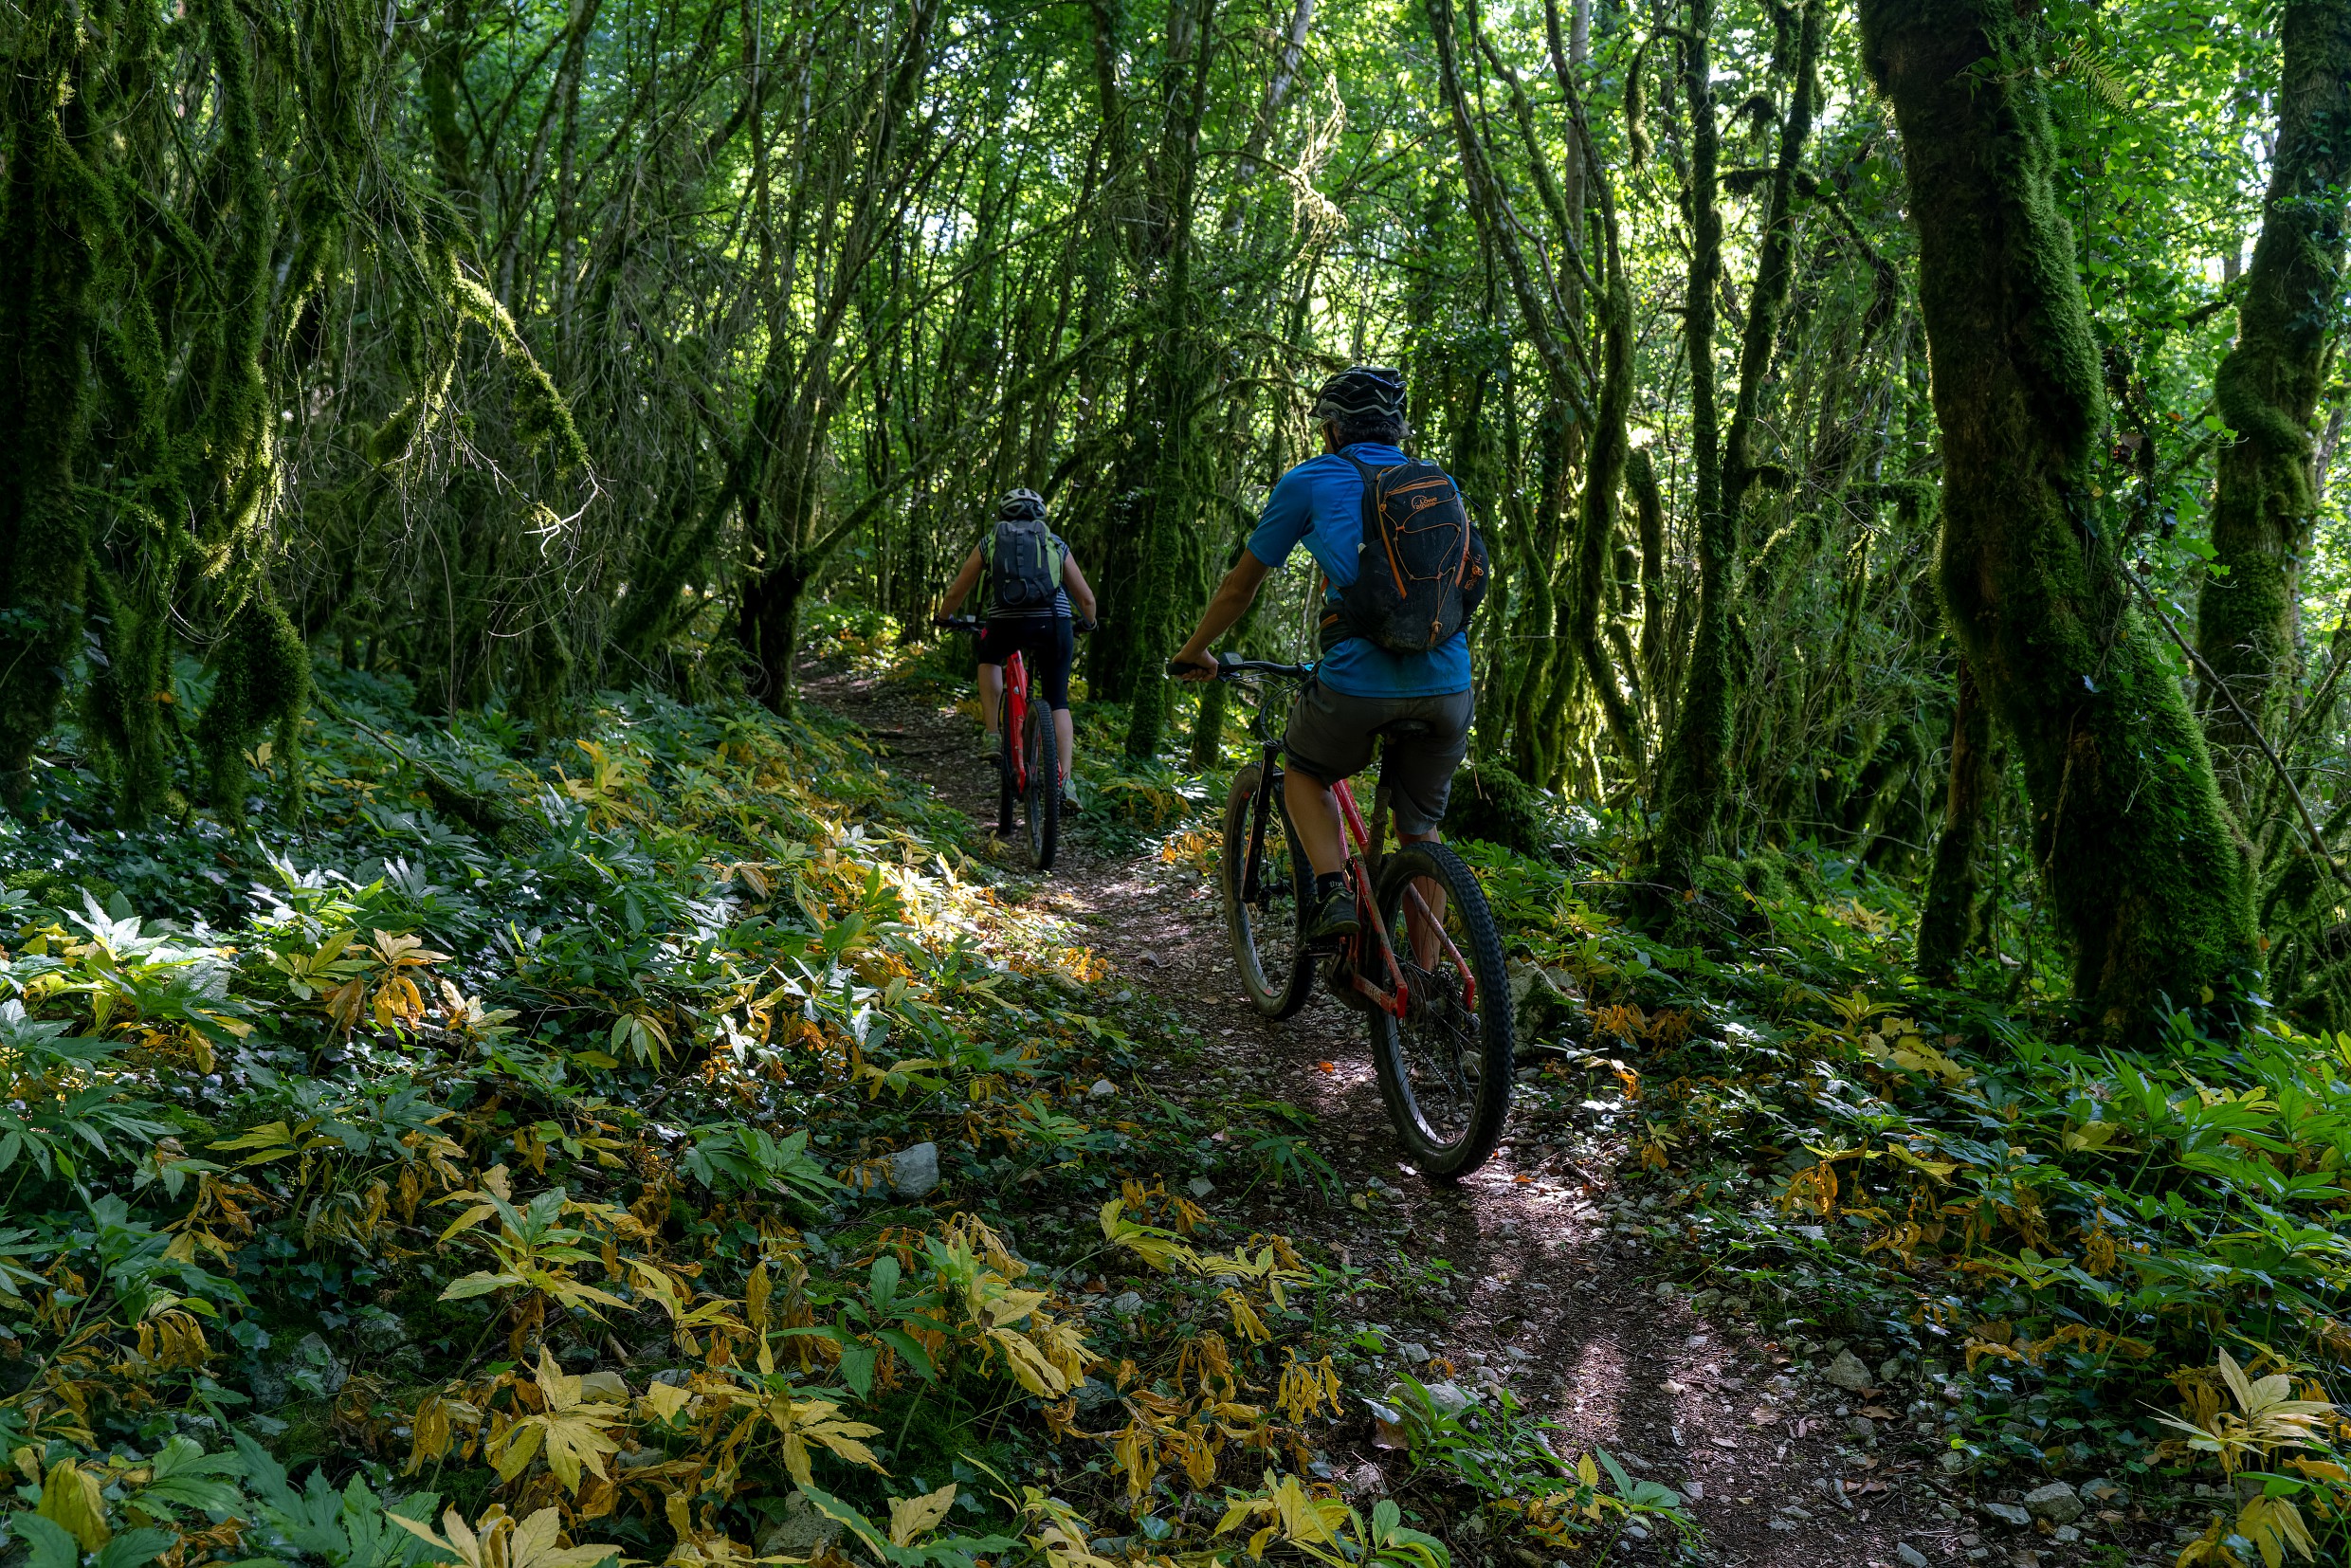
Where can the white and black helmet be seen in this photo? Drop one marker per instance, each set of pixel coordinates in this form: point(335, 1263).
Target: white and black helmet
point(1019, 506)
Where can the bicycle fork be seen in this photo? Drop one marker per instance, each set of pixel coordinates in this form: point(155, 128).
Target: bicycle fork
point(1268, 780)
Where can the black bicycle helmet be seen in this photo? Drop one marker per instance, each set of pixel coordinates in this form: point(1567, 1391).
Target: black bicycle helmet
point(1362, 392)
point(1019, 506)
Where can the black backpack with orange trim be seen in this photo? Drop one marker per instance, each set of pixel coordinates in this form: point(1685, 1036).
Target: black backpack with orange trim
point(1421, 568)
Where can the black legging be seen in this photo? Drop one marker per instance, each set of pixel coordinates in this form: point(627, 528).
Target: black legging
point(1049, 646)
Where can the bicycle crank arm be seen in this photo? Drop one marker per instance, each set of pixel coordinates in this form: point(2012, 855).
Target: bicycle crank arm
point(1392, 1003)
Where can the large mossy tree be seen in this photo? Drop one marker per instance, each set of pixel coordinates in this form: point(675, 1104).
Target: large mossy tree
point(2142, 866)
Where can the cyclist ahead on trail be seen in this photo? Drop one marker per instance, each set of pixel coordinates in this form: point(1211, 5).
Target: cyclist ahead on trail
point(1032, 583)
point(1404, 570)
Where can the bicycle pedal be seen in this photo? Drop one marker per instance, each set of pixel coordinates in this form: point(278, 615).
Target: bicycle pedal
point(1339, 976)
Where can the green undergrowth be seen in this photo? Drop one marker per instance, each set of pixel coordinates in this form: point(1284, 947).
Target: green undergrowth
point(660, 1141)
point(2048, 1255)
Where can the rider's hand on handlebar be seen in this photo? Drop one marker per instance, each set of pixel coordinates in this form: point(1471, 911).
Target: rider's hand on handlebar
point(1200, 668)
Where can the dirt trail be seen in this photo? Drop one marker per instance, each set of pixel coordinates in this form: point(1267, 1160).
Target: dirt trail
point(1565, 1311)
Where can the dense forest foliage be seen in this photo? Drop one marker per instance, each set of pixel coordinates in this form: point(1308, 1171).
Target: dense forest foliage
point(442, 439)
point(527, 355)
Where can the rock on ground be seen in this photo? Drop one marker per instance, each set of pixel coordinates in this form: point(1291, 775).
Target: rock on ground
point(1850, 1372)
point(914, 1172)
point(2058, 1503)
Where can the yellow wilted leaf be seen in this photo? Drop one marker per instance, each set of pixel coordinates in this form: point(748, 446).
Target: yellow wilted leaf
point(503, 1544)
point(2272, 1524)
point(602, 1387)
point(664, 1400)
point(1940, 1169)
point(1063, 1533)
point(1009, 1306)
point(70, 1499)
point(755, 1292)
point(570, 1429)
point(1304, 1388)
point(806, 1421)
point(1245, 1321)
point(1296, 1516)
point(431, 1432)
point(1162, 1249)
point(912, 1517)
point(1028, 1364)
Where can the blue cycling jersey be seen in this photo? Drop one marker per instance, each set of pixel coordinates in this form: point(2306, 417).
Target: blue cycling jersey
point(1320, 504)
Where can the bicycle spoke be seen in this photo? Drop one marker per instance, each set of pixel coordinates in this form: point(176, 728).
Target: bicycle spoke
point(1261, 912)
point(1445, 1063)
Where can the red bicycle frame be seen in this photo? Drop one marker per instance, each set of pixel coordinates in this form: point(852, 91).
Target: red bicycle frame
point(1392, 1002)
point(1016, 719)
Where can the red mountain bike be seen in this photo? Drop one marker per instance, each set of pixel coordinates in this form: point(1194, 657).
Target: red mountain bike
point(1425, 969)
point(1028, 762)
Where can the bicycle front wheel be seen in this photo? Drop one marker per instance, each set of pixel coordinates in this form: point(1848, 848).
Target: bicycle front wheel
point(1041, 801)
point(1007, 795)
point(1445, 1068)
point(1277, 973)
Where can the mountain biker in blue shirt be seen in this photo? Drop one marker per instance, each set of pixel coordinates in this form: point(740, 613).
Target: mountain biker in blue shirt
point(1361, 692)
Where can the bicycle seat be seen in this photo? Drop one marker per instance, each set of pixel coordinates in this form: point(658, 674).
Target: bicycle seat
point(1401, 728)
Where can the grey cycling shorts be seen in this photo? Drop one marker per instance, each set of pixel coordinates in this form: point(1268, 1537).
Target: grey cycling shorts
point(1331, 735)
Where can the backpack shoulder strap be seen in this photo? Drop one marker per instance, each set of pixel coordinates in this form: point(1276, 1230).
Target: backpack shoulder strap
point(1370, 487)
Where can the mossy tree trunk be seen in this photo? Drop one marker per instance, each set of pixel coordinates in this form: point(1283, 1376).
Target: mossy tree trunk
point(2269, 386)
point(1950, 917)
point(1168, 586)
point(1693, 779)
point(45, 268)
point(2128, 828)
point(1697, 782)
point(1585, 424)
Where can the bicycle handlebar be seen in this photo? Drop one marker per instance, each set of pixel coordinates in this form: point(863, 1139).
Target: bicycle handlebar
point(972, 623)
point(1232, 666)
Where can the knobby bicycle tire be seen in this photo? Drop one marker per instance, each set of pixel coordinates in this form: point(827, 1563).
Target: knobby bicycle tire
point(1041, 801)
point(1006, 795)
point(1277, 971)
point(1444, 1071)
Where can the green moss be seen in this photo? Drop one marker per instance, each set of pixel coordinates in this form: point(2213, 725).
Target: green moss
point(1696, 785)
point(46, 268)
point(1491, 803)
point(262, 676)
point(2141, 867)
point(1648, 510)
point(1767, 879)
point(1596, 522)
point(60, 890)
point(1950, 917)
point(127, 704)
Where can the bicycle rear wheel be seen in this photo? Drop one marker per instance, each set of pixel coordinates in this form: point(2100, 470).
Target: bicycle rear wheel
point(1445, 1066)
point(1041, 800)
point(1277, 973)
